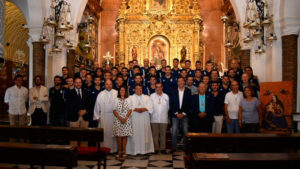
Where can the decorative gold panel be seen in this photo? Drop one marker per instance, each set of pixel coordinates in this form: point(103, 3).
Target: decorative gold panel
point(176, 21)
point(15, 35)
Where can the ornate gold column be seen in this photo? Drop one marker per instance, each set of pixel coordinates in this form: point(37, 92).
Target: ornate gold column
point(121, 26)
point(196, 32)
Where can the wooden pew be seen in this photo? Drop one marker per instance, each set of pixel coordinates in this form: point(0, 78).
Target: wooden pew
point(246, 161)
point(206, 142)
point(66, 134)
point(240, 143)
point(38, 154)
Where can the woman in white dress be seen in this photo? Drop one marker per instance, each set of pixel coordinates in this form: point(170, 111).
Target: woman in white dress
point(122, 125)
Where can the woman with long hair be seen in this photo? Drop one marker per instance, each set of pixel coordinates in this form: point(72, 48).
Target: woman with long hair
point(122, 125)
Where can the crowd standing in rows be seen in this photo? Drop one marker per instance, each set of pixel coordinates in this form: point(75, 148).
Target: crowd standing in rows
point(134, 105)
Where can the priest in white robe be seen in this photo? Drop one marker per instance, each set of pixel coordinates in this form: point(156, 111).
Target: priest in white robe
point(103, 113)
point(141, 142)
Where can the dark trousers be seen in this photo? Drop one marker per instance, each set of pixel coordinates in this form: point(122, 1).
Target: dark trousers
point(38, 118)
point(58, 120)
point(250, 128)
point(201, 126)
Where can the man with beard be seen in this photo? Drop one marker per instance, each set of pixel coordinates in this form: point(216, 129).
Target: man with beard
point(38, 101)
point(65, 76)
point(57, 95)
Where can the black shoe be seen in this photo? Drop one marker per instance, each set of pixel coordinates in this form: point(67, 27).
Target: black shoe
point(163, 152)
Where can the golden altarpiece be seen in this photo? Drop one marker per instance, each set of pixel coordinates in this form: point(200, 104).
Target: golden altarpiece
point(159, 29)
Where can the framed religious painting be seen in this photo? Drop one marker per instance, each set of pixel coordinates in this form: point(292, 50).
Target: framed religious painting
point(276, 102)
point(159, 5)
point(159, 48)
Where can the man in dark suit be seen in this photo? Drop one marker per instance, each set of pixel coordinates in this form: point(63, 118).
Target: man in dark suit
point(180, 110)
point(79, 106)
point(202, 110)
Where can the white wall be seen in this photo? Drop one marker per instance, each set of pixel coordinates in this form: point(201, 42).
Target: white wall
point(56, 61)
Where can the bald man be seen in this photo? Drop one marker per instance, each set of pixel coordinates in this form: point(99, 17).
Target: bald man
point(145, 69)
point(103, 113)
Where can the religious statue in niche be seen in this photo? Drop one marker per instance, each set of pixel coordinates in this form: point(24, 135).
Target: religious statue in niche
point(276, 100)
point(159, 4)
point(183, 56)
point(159, 49)
point(134, 53)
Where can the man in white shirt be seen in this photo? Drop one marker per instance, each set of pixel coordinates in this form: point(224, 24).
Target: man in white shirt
point(16, 98)
point(103, 113)
point(232, 101)
point(159, 118)
point(38, 103)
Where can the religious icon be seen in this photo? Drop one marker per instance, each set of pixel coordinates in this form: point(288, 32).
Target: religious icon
point(183, 56)
point(276, 100)
point(159, 49)
point(159, 4)
point(134, 53)
point(274, 114)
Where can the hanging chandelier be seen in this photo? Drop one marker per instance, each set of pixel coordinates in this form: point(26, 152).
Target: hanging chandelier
point(60, 24)
point(259, 25)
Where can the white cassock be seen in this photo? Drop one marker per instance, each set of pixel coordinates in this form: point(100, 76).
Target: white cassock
point(104, 111)
point(141, 142)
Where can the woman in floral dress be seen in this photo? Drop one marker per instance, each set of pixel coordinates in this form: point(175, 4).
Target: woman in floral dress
point(122, 125)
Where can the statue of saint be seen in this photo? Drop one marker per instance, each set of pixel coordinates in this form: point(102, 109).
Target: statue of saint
point(183, 57)
point(183, 54)
point(134, 53)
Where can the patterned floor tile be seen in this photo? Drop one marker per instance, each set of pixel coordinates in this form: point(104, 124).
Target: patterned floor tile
point(84, 163)
point(178, 164)
point(135, 163)
point(161, 157)
point(178, 157)
point(114, 163)
point(160, 164)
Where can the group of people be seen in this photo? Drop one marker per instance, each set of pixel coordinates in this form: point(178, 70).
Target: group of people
point(134, 105)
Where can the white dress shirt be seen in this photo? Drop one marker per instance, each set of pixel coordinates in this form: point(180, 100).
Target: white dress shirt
point(79, 93)
point(16, 98)
point(160, 108)
point(180, 92)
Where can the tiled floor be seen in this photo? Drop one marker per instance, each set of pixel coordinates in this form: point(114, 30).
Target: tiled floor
point(153, 161)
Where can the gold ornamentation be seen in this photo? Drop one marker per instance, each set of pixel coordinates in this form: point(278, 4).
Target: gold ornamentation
point(137, 24)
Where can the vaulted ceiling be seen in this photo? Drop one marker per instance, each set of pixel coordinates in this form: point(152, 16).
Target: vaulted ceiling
point(15, 35)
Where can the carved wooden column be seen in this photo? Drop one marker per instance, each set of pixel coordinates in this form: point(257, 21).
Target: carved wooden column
point(38, 59)
point(289, 63)
point(245, 58)
point(71, 61)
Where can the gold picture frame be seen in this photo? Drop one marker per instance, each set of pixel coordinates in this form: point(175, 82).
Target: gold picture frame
point(159, 5)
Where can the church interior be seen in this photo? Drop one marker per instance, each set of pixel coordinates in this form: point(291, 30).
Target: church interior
point(149, 84)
